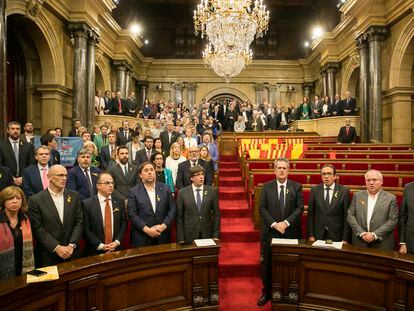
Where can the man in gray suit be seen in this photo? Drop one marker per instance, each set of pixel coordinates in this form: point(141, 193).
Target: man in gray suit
point(198, 213)
point(125, 175)
point(373, 214)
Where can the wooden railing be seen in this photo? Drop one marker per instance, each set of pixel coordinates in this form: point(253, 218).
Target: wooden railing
point(160, 277)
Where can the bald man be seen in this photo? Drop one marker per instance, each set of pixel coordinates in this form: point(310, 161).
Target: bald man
point(56, 219)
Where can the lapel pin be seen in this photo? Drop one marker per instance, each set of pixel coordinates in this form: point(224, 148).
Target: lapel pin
point(69, 199)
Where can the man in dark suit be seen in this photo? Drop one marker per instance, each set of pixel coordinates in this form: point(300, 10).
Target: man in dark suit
point(118, 105)
point(373, 214)
point(283, 120)
point(347, 134)
point(348, 105)
point(198, 213)
point(16, 154)
point(336, 108)
point(272, 120)
point(49, 140)
point(108, 102)
point(74, 132)
point(124, 175)
point(131, 105)
point(108, 152)
point(281, 206)
point(316, 106)
point(35, 177)
point(328, 208)
point(82, 178)
point(168, 137)
point(144, 155)
point(230, 117)
point(151, 209)
point(406, 220)
point(6, 177)
point(104, 218)
point(124, 134)
point(183, 171)
point(56, 220)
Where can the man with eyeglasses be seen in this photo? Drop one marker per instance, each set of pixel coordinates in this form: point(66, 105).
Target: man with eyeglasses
point(183, 171)
point(328, 208)
point(281, 206)
point(35, 177)
point(373, 214)
point(104, 218)
point(56, 220)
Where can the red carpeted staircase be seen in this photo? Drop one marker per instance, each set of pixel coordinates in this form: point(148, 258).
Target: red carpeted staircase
point(239, 266)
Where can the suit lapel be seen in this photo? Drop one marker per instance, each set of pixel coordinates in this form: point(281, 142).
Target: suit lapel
point(363, 202)
point(274, 197)
point(51, 206)
point(67, 205)
point(116, 214)
point(144, 193)
point(98, 212)
point(378, 205)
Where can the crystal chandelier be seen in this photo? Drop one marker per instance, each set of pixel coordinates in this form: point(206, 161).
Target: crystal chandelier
point(230, 26)
point(227, 64)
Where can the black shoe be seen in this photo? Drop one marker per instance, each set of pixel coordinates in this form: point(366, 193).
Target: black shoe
point(263, 300)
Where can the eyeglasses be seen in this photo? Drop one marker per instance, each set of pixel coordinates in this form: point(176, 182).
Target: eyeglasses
point(107, 183)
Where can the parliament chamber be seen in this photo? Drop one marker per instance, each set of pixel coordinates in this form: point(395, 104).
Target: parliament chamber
point(100, 88)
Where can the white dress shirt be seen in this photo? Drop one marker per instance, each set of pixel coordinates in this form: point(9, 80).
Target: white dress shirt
point(151, 194)
point(372, 200)
point(58, 200)
point(195, 193)
point(102, 204)
point(278, 193)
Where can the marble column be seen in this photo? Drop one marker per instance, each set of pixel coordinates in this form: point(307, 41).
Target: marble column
point(272, 94)
point(307, 90)
point(259, 87)
point(3, 69)
point(121, 68)
point(80, 34)
point(128, 76)
point(90, 111)
point(191, 94)
point(362, 45)
point(178, 92)
point(324, 83)
point(375, 36)
point(265, 93)
point(331, 69)
point(142, 89)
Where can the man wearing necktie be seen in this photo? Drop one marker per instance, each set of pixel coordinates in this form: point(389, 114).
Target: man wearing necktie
point(280, 206)
point(123, 135)
point(104, 218)
point(198, 213)
point(35, 177)
point(347, 134)
point(83, 177)
point(349, 104)
point(328, 208)
point(144, 155)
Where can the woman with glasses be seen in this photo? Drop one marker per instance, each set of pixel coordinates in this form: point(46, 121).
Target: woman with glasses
point(162, 173)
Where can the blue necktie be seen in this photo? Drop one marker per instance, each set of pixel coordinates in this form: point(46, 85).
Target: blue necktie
point(282, 199)
point(198, 201)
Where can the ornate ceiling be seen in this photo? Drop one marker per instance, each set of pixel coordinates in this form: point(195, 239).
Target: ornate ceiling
point(168, 26)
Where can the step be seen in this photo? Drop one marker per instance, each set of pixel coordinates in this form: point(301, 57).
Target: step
point(239, 259)
point(231, 192)
point(230, 181)
point(228, 158)
point(239, 236)
point(234, 212)
point(233, 204)
point(237, 225)
point(229, 172)
point(241, 294)
point(228, 164)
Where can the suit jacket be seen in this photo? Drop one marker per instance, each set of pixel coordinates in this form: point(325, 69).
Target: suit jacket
point(106, 160)
point(383, 220)
point(166, 144)
point(193, 223)
point(32, 181)
point(114, 106)
point(6, 177)
point(406, 218)
point(93, 226)
point(279, 121)
point(141, 156)
point(348, 105)
point(183, 174)
point(54, 157)
point(347, 139)
point(141, 213)
point(230, 118)
point(26, 156)
point(77, 181)
point(328, 219)
point(315, 106)
point(337, 107)
point(122, 183)
point(271, 212)
point(98, 141)
point(72, 133)
point(120, 138)
point(48, 229)
point(272, 122)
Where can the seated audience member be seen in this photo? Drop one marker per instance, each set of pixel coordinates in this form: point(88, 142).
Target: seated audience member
point(50, 141)
point(328, 208)
point(82, 178)
point(406, 220)
point(205, 155)
point(144, 155)
point(124, 174)
point(16, 241)
point(174, 159)
point(56, 220)
point(348, 105)
point(239, 125)
point(104, 218)
point(151, 209)
point(198, 212)
point(347, 134)
point(162, 173)
point(183, 172)
point(373, 214)
point(35, 177)
point(108, 152)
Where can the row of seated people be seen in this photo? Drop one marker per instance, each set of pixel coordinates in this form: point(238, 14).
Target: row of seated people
point(368, 220)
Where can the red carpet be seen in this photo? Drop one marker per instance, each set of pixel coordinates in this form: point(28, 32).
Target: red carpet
point(240, 282)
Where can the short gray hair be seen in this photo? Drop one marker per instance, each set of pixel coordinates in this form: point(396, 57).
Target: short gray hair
point(281, 159)
point(379, 174)
point(84, 151)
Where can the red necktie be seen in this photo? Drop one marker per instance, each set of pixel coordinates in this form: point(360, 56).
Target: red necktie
point(119, 105)
point(347, 130)
point(108, 223)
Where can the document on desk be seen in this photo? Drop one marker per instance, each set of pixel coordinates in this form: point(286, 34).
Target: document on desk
point(322, 243)
point(285, 241)
point(51, 275)
point(205, 242)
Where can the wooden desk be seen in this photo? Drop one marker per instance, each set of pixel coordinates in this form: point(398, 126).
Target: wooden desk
point(161, 277)
point(309, 278)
